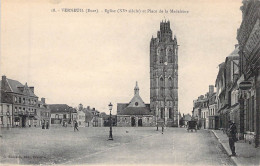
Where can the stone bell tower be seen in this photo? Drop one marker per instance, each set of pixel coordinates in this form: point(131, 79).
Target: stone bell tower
point(164, 76)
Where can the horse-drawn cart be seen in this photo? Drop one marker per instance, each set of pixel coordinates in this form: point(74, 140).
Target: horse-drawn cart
point(192, 125)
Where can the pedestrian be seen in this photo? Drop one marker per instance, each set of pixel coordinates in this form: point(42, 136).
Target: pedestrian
point(47, 125)
point(232, 137)
point(76, 125)
point(43, 124)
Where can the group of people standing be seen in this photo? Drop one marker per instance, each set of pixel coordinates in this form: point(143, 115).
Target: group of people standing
point(45, 125)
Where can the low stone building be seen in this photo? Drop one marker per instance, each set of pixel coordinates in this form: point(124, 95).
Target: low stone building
point(135, 113)
point(61, 114)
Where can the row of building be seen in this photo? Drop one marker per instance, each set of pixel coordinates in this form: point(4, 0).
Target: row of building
point(20, 107)
point(237, 95)
point(64, 115)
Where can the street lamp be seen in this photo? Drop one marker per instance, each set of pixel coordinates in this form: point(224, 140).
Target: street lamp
point(110, 132)
point(157, 121)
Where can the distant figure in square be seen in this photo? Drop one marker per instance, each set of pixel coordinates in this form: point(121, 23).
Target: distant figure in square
point(232, 137)
point(47, 125)
point(43, 124)
point(76, 125)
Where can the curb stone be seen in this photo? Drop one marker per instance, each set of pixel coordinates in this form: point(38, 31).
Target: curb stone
point(225, 148)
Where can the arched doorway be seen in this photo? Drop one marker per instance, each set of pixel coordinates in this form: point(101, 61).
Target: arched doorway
point(133, 121)
point(140, 123)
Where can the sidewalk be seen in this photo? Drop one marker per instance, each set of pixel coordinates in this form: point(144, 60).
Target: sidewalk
point(246, 154)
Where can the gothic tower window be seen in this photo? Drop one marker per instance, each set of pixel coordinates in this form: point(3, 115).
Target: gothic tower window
point(162, 111)
point(169, 54)
point(161, 59)
point(170, 58)
point(170, 112)
point(170, 83)
point(161, 87)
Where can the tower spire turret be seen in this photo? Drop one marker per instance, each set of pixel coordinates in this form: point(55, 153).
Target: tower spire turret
point(136, 88)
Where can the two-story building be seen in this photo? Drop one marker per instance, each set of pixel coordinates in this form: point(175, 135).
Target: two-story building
point(44, 113)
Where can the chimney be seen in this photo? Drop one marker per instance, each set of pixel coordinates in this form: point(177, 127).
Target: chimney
point(3, 82)
point(32, 89)
point(3, 78)
point(211, 89)
point(43, 100)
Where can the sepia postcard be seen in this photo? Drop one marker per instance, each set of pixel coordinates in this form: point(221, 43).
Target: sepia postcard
point(128, 82)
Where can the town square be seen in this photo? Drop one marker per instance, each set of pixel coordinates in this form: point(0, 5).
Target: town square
point(130, 146)
point(121, 83)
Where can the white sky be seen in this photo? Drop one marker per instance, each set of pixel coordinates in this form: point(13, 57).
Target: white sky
point(95, 59)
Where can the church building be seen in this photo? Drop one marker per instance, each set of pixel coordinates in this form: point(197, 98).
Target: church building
point(164, 76)
point(135, 113)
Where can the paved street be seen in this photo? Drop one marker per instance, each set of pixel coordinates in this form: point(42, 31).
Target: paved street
point(130, 146)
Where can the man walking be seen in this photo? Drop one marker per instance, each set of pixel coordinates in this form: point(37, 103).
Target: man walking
point(232, 137)
point(76, 125)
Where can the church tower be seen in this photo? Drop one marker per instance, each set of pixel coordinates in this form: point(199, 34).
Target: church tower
point(164, 76)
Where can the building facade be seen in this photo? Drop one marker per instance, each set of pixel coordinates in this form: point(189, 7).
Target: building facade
point(164, 76)
point(20, 101)
point(213, 115)
point(222, 102)
point(81, 116)
point(204, 109)
point(135, 113)
point(62, 115)
point(248, 37)
point(43, 114)
point(6, 115)
point(205, 112)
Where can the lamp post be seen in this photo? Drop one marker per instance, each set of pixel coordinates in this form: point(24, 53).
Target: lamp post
point(178, 119)
point(110, 131)
point(157, 121)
